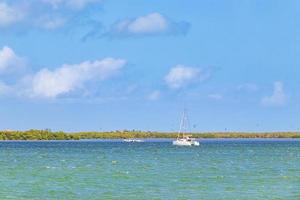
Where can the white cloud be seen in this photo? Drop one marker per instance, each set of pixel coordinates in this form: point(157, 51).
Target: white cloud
point(9, 14)
point(181, 75)
point(278, 98)
point(215, 96)
point(75, 4)
point(155, 95)
point(153, 23)
point(51, 23)
point(34, 13)
point(67, 78)
point(9, 61)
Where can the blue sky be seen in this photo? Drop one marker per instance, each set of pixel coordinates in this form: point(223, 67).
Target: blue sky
point(78, 65)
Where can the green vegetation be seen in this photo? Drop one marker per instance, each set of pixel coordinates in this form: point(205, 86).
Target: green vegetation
point(36, 135)
point(50, 135)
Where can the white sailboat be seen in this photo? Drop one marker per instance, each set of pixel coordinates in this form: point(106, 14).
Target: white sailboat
point(183, 139)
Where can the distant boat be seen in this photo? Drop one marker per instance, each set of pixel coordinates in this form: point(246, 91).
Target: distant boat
point(183, 139)
point(132, 140)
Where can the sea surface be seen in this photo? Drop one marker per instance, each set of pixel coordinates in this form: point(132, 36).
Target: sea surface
point(112, 169)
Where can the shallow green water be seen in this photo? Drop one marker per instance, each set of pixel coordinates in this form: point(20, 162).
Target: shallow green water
point(218, 169)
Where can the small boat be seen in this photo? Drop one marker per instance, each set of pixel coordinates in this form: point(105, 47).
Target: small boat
point(132, 140)
point(183, 139)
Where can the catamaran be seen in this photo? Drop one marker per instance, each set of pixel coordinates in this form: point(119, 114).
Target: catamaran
point(183, 139)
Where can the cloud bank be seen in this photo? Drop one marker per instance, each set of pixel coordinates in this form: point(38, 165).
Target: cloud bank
point(55, 14)
point(47, 83)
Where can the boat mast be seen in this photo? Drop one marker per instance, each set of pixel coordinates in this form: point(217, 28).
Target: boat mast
point(184, 123)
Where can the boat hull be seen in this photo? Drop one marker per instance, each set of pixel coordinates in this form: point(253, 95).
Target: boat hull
point(132, 140)
point(185, 143)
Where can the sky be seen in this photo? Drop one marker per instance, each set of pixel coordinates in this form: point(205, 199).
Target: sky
point(97, 65)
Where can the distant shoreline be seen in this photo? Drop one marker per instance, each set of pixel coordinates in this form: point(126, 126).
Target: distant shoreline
point(50, 135)
point(158, 140)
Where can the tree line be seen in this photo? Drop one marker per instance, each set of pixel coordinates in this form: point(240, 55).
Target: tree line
point(59, 135)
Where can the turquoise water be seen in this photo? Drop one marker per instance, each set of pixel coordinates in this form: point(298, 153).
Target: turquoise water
point(217, 169)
